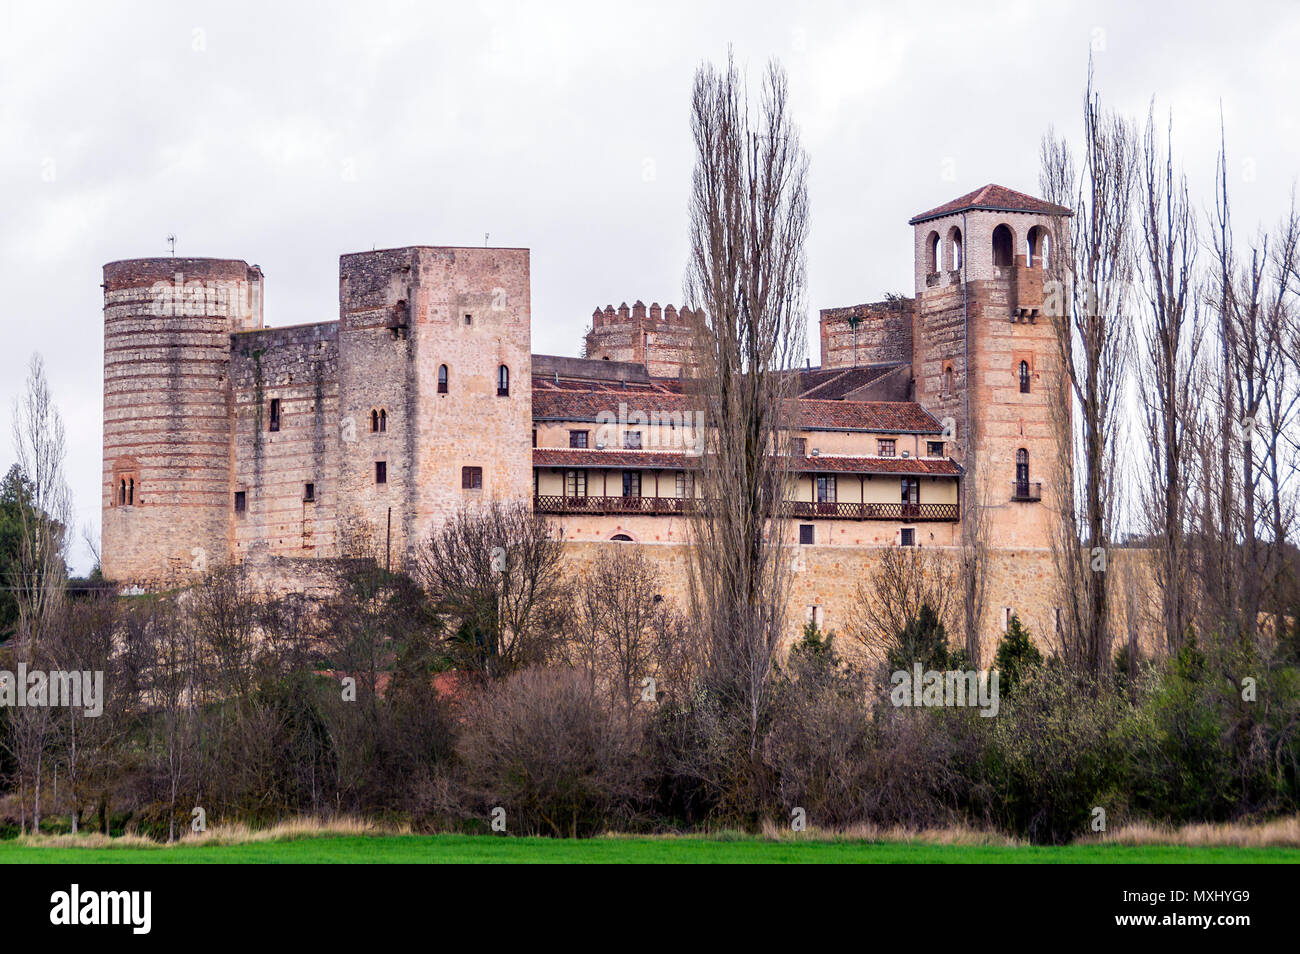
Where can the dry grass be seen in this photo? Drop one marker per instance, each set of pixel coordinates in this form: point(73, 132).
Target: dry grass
point(234, 833)
point(1279, 833)
point(948, 835)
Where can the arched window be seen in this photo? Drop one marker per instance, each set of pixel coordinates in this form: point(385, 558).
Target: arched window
point(442, 379)
point(503, 381)
point(374, 421)
point(130, 492)
point(621, 538)
point(1024, 377)
point(383, 420)
point(947, 381)
point(1022, 473)
point(954, 245)
point(1039, 247)
point(932, 252)
point(121, 494)
point(1004, 244)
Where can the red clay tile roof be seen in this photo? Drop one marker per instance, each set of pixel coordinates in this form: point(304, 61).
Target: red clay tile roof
point(677, 460)
point(993, 197)
point(618, 459)
point(587, 404)
point(919, 466)
point(902, 417)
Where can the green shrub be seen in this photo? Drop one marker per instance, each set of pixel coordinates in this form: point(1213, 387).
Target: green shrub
point(1016, 656)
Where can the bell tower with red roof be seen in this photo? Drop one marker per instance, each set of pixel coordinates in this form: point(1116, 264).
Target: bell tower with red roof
point(984, 352)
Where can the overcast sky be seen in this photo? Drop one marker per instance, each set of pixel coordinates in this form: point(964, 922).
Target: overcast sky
point(287, 136)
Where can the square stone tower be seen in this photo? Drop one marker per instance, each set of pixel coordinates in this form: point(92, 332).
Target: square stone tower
point(985, 354)
point(435, 397)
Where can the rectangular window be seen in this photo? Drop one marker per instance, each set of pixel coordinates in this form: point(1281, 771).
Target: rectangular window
point(469, 319)
point(807, 534)
point(886, 448)
point(578, 438)
point(826, 488)
point(241, 501)
point(534, 437)
point(685, 484)
point(632, 440)
point(934, 448)
point(907, 537)
point(631, 483)
point(275, 414)
point(575, 483)
point(799, 446)
point(381, 471)
point(309, 493)
point(471, 478)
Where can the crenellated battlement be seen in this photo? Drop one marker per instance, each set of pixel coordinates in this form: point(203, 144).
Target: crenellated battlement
point(639, 314)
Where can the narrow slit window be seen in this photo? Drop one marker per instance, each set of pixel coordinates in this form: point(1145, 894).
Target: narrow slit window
point(275, 414)
point(503, 381)
point(381, 471)
point(241, 501)
point(442, 379)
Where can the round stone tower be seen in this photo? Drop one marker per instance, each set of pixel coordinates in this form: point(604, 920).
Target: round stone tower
point(660, 338)
point(167, 498)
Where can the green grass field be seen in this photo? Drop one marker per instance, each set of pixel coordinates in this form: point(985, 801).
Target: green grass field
point(457, 849)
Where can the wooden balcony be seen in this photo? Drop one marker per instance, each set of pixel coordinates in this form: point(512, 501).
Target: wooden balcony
point(795, 509)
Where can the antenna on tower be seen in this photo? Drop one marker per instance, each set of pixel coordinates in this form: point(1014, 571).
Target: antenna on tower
point(171, 242)
point(485, 239)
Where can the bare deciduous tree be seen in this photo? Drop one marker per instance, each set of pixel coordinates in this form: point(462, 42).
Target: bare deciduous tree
point(1167, 373)
point(39, 575)
point(623, 631)
point(1094, 276)
point(746, 284)
point(495, 574)
point(891, 597)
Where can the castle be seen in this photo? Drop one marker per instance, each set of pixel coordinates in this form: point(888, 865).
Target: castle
point(229, 442)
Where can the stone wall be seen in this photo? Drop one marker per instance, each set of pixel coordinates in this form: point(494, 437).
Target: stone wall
point(167, 414)
point(659, 338)
point(298, 368)
point(883, 334)
point(827, 581)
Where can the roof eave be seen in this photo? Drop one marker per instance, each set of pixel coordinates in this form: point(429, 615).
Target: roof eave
point(930, 216)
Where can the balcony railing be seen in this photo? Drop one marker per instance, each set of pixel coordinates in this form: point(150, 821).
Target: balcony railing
point(599, 505)
point(1025, 490)
point(910, 512)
